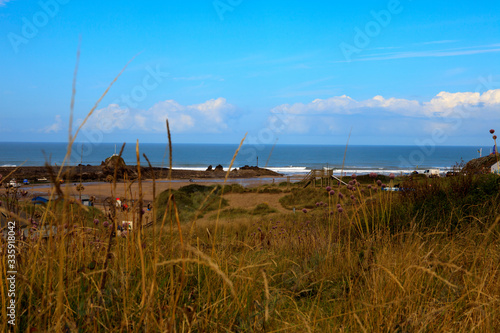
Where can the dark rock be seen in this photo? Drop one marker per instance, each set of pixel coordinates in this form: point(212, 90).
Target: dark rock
point(112, 163)
point(219, 168)
point(210, 168)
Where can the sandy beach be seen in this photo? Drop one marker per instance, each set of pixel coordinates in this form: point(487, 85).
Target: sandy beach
point(102, 190)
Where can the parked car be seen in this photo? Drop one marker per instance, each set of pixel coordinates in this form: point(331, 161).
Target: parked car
point(14, 183)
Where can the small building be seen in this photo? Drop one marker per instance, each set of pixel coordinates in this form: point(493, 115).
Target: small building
point(495, 168)
point(85, 199)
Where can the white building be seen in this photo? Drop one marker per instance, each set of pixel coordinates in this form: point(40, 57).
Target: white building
point(495, 168)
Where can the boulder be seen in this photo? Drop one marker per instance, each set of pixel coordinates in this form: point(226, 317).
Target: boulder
point(115, 161)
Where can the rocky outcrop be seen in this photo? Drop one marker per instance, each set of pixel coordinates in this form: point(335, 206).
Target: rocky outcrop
point(115, 162)
point(97, 173)
point(480, 165)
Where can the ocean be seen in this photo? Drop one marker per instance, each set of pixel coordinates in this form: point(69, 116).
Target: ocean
point(286, 159)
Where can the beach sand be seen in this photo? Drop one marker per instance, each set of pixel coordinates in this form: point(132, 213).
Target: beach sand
point(102, 190)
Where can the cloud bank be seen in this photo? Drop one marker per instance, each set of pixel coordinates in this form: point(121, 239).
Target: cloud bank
point(208, 117)
point(325, 113)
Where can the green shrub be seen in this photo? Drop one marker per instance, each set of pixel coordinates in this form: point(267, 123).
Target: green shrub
point(192, 199)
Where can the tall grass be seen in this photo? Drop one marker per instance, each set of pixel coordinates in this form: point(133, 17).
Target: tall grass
point(424, 261)
point(313, 271)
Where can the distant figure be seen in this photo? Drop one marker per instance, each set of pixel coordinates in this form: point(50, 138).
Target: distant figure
point(191, 181)
point(149, 207)
point(118, 203)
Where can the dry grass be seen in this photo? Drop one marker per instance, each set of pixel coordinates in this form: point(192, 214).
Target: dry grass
point(312, 272)
point(302, 272)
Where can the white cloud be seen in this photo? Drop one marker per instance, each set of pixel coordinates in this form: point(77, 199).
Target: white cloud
point(108, 119)
point(300, 118)
point(452, 52)
point(207, 117)
point(4, 2)
point(55, 127)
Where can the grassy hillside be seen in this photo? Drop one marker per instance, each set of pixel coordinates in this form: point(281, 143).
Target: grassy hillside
point(423, 259)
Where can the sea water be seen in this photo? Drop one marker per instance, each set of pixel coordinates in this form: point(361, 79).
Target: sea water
point(286, 159)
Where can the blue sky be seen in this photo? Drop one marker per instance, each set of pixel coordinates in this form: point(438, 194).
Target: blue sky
point(393, 72)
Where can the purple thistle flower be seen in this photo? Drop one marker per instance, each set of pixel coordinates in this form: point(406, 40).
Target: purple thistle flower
point(353, 188)
point(369, 187)
point(340, 209)
point(352, 197)
point(339, 205)
point(105, 224)
point(341, 196)
point(352, 182)
point(384, 186)
point(373, 175)
point(317, 204)
point(392, 176)
point(304, 210)
point(353, 176)
point(491, 132)
point(494, 137)
point(349, 187)
point(328, 188)
point(321, 203)
point(96, 221)
point(379, 182)
point(332, 192)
